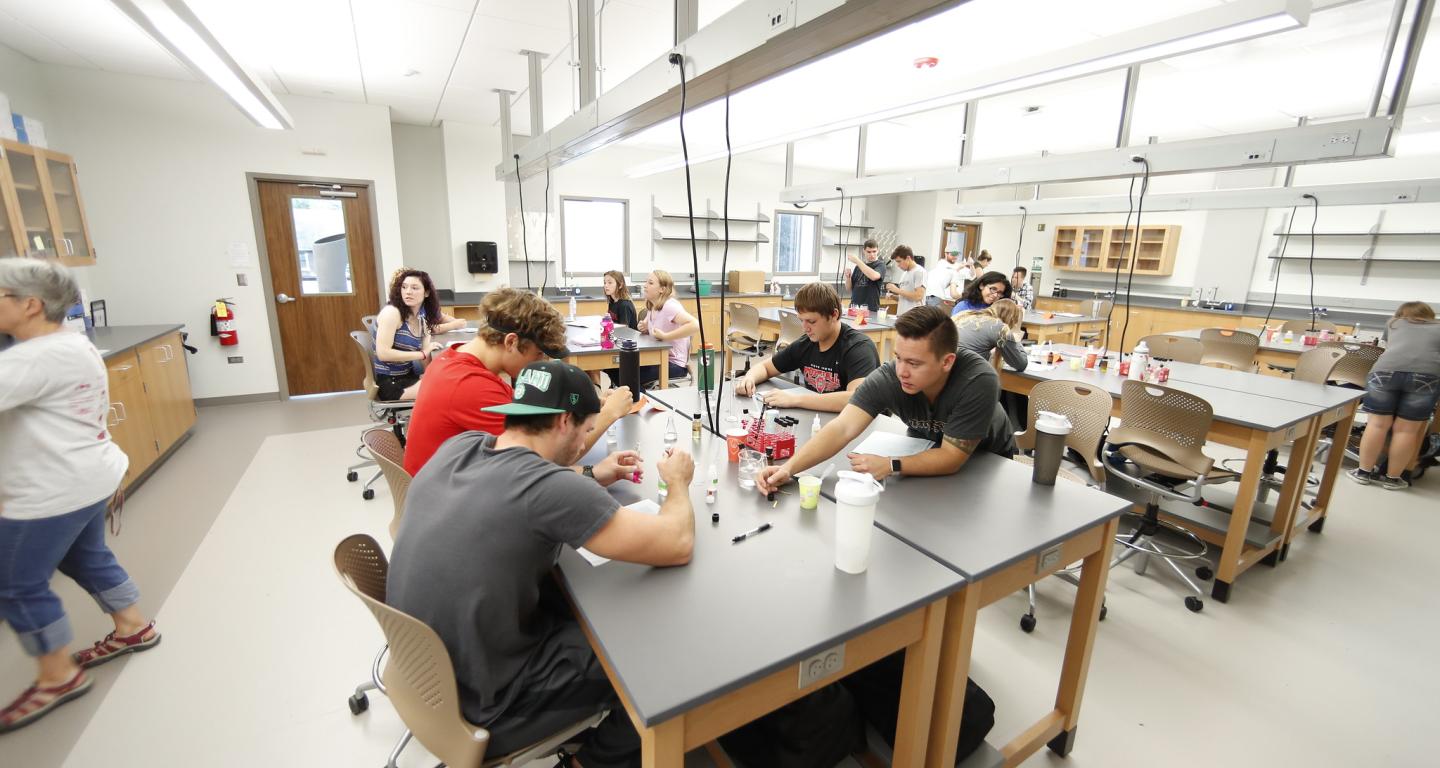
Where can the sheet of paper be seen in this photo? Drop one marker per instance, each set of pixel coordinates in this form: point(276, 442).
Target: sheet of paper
point(646, 506)
point(1068, 314)
point(893, 446)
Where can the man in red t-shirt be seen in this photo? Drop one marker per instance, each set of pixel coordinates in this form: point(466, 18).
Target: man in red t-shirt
point(518, 329)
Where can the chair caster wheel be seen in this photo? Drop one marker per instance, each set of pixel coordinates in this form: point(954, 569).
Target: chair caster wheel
point(1204, 573)
point(1194, 604)
point(352, 476)
point(359, 703)
point(1104, 609)
point(1027, 623)
point(368, 494)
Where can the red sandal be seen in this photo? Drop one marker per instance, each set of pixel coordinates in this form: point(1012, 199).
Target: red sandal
point(113, 647)
point(38, 701)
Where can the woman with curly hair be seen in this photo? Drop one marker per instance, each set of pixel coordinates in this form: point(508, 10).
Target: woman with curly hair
point(402, 334)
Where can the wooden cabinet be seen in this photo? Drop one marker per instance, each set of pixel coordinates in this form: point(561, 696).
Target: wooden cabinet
point(150, 403)
point(1105, 249)
point(42, 211)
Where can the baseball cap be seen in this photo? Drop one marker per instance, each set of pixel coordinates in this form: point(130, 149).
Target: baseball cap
point(550, 386)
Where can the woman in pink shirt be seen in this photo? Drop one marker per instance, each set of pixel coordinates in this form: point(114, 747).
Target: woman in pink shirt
point(667, 320)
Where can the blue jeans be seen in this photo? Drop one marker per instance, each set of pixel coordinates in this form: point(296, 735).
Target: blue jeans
point(30, 553)
point(1402, 394)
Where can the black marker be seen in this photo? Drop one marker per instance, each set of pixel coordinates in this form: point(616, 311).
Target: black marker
point(749, 533)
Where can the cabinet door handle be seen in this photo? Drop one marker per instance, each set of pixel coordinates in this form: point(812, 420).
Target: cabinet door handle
point(114, 413)
point(69, 247)
point(121, 406)
point(122, 368)
point(169, 354)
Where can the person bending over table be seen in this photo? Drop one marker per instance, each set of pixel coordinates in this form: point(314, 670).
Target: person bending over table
point(991, 287)
point(666, 320)
point(484, 523)
point(516, 328)
point(995, 327)
point(832, 357)
point(949, 397)
point(865, 279)
point(1400, 396)
point(402, 334)
point(59, 475)
point(909, 288)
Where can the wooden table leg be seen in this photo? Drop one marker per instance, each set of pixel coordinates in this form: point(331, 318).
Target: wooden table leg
point(664, 372)
point(664, 745)
point(1084, 624)
point(1297, 474)
point(954, 670)
point(1333, 462)
point(917, 690)
point(1240, 518)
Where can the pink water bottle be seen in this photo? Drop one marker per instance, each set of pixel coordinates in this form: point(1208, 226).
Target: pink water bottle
point(607, 327)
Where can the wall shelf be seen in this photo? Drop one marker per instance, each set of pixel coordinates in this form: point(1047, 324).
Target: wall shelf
point(832, 225)
point(711, 215)
point(1374, 235)
point(1360, 234)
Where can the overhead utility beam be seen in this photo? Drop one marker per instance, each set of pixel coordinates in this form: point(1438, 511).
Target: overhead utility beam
point(1344, 140)
point(585, 41)
point(1411, 61)
point(756, 40)
point(1366, 193)
point(537, 99)
point(687, 19)
point(507, 134)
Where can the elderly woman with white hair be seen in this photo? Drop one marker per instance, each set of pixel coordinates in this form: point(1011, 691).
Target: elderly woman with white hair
point(59, 472)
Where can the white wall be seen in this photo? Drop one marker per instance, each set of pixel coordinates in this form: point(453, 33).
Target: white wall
point(478, 210)
point(21, 82)
point(162, 171)
point(424, 206)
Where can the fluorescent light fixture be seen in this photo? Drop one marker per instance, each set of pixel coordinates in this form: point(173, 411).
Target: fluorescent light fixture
point(1229, 23)
point(173, 25)
point(1365, 193)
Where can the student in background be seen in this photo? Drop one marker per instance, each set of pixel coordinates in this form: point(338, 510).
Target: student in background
point(516, 328)
point(402, 334)
point(991, 287)
point(983, 331)
point(1024, 291)
point(620, 307)
point(666, 320)
point(833, 358)
point(1400, 396)
point(910, 288)
point(59, 475)
point(938, 279)
point(865, 279)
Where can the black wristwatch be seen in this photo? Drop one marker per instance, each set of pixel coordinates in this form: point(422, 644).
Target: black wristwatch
point(588, 470)
point(894, 466)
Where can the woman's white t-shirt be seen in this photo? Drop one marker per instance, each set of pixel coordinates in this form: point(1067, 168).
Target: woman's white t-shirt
point(56, 455)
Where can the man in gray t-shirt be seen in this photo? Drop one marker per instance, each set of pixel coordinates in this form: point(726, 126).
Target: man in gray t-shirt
point(949, 397)
point(484, 523)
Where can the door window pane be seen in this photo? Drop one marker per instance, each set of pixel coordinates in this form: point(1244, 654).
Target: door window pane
point(795, 242)
point(320, 246)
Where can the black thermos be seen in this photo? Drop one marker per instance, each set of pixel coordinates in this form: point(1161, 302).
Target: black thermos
point(630, 367)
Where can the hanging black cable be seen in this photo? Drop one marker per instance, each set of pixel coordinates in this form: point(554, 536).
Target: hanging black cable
point(1120, 262)
point(1313, 222)
point(545, 238)
point(839, 230)
point(679, 61)
point(724, 269)
point(1134, 252)
point(1280, 267)
point(1024, 216)
point(524, 234)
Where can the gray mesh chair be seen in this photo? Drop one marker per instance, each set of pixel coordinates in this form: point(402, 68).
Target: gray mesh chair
point(360, 560)
point(1314, 366)
point(1352, 371)
point(1102, 309)
point(742, 334)
point(1179, 349)
point(1232, 349)
point(1088, 409)
point(395, 414)
point(1158, 449)
point(420, 681)
point(390, 455)
point(369, 322)
point(791, 329)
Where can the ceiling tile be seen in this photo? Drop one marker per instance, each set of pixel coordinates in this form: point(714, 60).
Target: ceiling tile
point(401, 37)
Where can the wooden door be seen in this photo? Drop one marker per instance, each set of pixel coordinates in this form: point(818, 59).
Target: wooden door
point(964, 238)
point(167, 389)
point(129, 421)
point(322, 273)
point(67, 213)
point(32, 196)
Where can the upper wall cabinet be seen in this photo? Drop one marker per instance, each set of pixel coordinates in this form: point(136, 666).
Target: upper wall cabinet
point(1106, 249)
point(40, 209)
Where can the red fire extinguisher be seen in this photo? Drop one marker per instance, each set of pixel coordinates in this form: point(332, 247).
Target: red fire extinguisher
point(222, 323)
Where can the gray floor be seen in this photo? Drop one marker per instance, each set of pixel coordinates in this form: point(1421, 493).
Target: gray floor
point(1320, 662)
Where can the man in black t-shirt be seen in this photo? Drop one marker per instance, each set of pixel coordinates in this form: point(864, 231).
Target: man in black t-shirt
point(951, 398)
point(832, 357)
point(866, 279)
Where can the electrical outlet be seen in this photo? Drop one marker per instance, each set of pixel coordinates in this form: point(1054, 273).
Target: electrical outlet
point(1048, 559)
point(1258, 155)
point(1342, 138)
point(779, 18)
point(825, 663)
point(233, 359)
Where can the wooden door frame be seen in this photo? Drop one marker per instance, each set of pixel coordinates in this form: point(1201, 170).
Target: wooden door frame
point(979, 229)
point(252, 182)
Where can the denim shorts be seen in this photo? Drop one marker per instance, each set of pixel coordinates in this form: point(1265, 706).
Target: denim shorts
point(1402, 394)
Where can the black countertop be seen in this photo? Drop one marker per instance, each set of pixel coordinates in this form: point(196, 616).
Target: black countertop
point(1343, 316)
point(118, 339)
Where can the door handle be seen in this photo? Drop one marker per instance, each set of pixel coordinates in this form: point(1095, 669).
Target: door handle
point(169, 355)
point(281, 298)
point(120, 406)
point(114, 413)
